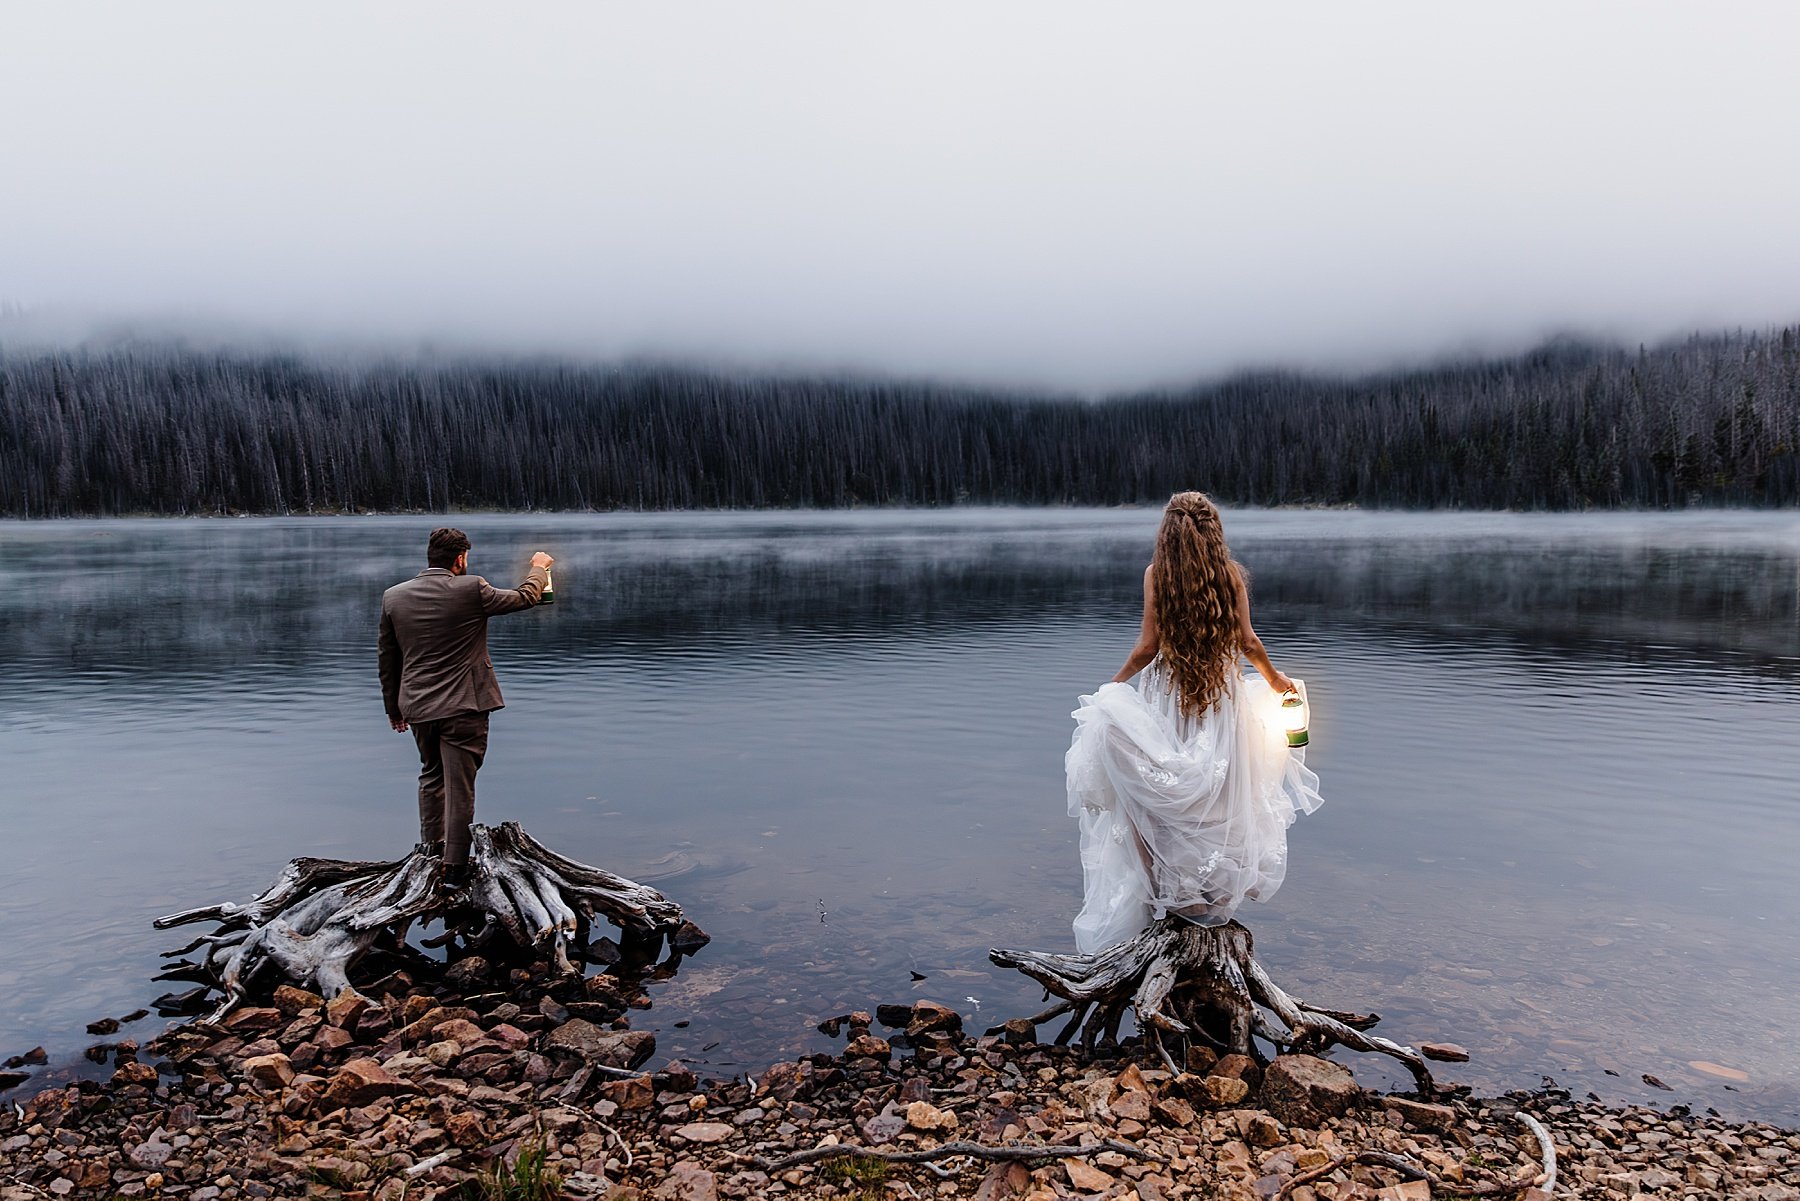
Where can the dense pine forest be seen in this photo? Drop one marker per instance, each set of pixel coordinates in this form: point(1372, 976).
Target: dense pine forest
point(1706, 421)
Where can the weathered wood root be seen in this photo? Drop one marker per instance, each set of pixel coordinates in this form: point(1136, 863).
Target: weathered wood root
point(1009, 1152)
point(1194, 983)
point(321, 915)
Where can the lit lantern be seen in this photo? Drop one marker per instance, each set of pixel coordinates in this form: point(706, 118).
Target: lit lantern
point(548, 596)
point(1293, 718)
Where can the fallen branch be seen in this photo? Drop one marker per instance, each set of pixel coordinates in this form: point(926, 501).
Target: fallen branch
point(1002, 1154)
point(1547, 1152)
point(1374, 1159)
point(425, 1165)
point(1545, 1178)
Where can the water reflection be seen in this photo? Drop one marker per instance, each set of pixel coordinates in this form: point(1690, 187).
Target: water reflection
point(1557, 752)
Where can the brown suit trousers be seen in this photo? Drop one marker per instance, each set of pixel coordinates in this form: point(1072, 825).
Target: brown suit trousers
point(436, 675)
point(450, 753)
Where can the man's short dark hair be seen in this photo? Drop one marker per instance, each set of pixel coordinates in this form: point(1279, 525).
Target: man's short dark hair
point(445, 545)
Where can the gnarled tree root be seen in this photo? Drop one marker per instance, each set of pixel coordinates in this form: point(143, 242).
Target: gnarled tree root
point(313, 924)
point(1200, 983)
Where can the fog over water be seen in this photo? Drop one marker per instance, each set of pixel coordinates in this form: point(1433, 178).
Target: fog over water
point(1048, 194)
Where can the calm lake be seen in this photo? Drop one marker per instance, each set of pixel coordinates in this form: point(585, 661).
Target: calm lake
point(1560, 757)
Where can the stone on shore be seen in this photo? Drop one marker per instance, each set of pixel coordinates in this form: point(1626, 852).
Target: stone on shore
point(359, 1082)
point(626, 1049)
point(269, 1071)
point(292, 1002)
point(346, 1009)
point(1304, 1090)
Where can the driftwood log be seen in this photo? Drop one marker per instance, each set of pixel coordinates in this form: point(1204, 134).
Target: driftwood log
point(312, 925)
point(1193, 983)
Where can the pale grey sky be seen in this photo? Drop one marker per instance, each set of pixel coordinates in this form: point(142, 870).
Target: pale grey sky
point(1087, 196)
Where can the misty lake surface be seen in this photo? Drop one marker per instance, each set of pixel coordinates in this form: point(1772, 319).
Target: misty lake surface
point(1560, 757)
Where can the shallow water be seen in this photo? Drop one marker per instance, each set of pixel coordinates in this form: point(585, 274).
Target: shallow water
point(1559, 757)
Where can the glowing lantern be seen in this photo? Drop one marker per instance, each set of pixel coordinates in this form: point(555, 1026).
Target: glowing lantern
point(548, 596)
point(1293, 718)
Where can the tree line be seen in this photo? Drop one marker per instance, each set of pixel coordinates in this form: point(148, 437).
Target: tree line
point(1710, 420)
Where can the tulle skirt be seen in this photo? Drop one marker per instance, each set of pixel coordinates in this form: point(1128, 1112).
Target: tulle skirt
point(1180, 815)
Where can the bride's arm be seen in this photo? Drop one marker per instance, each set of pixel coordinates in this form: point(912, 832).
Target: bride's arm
point(1252, 645)
point(1148, 643)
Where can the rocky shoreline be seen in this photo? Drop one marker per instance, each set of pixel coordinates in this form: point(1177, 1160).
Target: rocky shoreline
point(499, 1084)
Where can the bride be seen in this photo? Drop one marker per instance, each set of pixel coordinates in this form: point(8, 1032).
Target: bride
point(1185, 785)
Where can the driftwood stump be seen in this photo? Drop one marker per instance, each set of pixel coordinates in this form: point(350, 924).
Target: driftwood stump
point(1198, 983)
point(322, 915)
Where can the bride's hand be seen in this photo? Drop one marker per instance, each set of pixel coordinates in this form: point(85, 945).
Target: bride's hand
point(1281, 684)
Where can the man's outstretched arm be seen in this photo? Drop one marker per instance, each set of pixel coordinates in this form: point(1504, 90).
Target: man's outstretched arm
point(531, 588)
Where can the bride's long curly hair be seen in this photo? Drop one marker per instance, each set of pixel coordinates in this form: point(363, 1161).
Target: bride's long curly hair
point(1194, 580)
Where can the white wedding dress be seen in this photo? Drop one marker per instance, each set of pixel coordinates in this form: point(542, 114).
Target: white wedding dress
point(1179, 814)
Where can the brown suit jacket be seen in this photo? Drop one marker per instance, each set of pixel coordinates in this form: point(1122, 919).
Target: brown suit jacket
point(433, 644)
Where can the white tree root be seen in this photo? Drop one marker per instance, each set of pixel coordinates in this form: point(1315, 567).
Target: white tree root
point(1190, 982)
point(321, 915)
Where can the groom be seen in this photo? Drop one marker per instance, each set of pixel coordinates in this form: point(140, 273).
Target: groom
point(437, 680)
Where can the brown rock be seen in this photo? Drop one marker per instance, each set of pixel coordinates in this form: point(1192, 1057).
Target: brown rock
point(1222, 1092)
point(1239, 1067)
point(444, 1053)
point(1201, 1058)
point(688, 1181)
point(1003, 1181)
point(1444, 1052)
point(416, 1007)
point(1086, 1178)
point(787, 1081)
point(359, 1082)
point(676, 1077)
point(1019, 1033)
point(133, 1072)
point(466, 1129)
point(634, 1093)
point(1303, 1090)
point(929, 1017)
point(268, 1072)
point(373, 1026)
point(462, 1032)
point(1175, 1111)
point(467, 972)
point(923, 1115)
point(893, 1015)
point(1263, 1131)
point(292, 1002)
point(1412, 1190)
point(1419, 1113)
point(867, 1046)
point(346, 1009)
point(603, 990)
point(508, 1036)
point(1131, 1103)
point(886, 1126)
point(252, 1019)
point(705, 1132)
point(610, 1048)
point(330, 1038)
